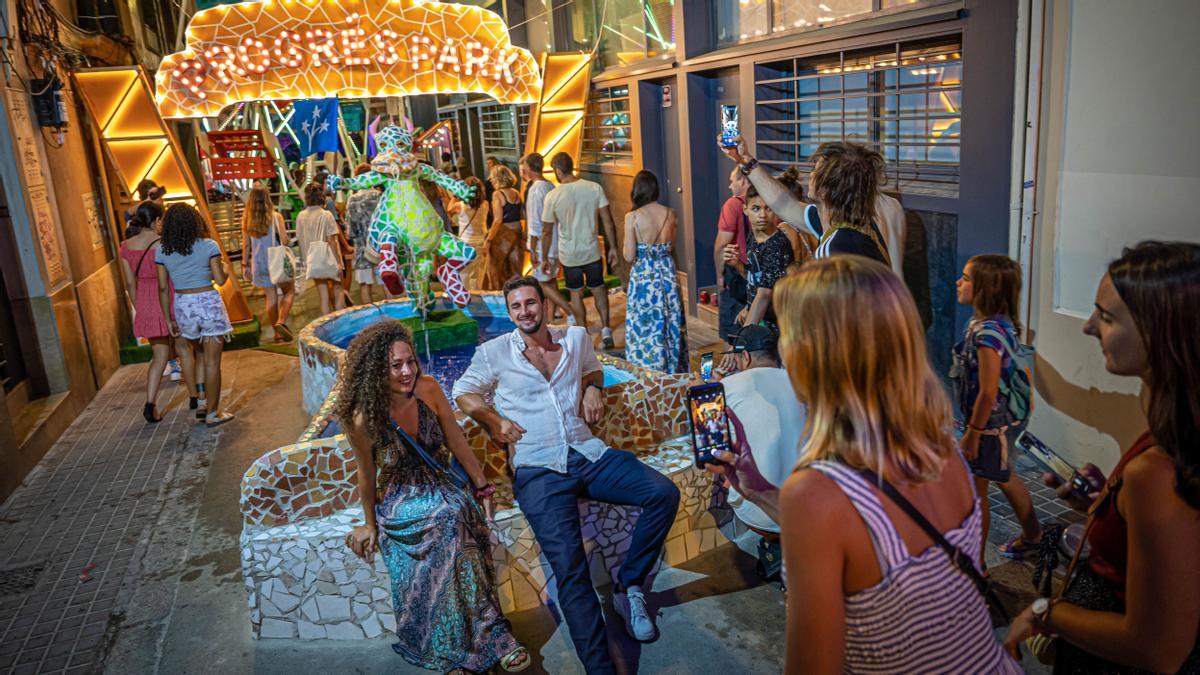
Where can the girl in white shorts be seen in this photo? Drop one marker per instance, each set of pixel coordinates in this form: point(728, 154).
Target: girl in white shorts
point(192, 263)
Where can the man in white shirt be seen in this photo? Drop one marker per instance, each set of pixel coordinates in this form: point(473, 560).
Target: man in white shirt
point(546, 387)
point(570, 213)
point(531, 168)
point(761, 396)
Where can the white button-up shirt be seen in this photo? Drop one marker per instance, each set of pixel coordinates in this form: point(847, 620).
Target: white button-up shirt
point(547, 410)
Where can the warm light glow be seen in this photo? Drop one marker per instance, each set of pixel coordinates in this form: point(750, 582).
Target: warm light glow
point(556, 123)
point(263, 50)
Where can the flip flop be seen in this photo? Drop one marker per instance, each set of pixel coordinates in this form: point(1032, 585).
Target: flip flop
point(1017, 548)
point(214, 419)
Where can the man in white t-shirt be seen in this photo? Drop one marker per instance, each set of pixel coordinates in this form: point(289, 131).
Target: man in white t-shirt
point(531, 168)
point(761, 396)
point(570, 213)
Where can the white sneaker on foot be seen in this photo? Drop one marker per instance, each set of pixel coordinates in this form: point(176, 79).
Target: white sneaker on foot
point(606, 337)
point(631, 605)
point(173, 370)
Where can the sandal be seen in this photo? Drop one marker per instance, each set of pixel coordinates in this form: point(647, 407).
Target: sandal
point(1017, 548)
point(214, 418)
point(507, 661)
point(150, 412)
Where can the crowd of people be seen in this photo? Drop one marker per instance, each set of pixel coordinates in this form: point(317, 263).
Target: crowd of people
point(865, 478)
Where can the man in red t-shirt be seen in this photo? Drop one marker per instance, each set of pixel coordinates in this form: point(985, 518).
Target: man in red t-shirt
point(729, 255)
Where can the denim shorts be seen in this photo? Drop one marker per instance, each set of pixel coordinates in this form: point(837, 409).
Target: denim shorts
point(201, 315)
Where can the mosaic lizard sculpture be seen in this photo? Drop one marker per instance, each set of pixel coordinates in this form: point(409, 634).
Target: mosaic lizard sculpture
point(405, 230)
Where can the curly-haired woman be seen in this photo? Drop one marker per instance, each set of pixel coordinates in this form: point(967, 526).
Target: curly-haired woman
point(432, 534)
point(1134, 607)
point(192, 263)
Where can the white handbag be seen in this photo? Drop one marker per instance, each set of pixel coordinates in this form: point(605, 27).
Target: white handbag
point(281, 262)
point(321, 262)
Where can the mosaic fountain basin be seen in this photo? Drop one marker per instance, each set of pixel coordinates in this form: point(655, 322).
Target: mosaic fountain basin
point(300, 500)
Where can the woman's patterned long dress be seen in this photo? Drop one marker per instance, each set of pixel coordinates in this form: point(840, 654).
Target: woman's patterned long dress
point(434, 541)
point(655, 335)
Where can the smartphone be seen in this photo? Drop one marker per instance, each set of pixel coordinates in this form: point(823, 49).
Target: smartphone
point(1043, 455)
point(706, 361)
point(710, 422)
point(729, 126)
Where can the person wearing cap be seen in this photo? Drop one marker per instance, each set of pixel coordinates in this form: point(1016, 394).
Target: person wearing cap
point(761, 396)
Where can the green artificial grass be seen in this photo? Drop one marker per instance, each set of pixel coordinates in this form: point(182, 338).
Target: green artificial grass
point(245, 336)
point(610, 281)
point(443, 328)
point(285, 348)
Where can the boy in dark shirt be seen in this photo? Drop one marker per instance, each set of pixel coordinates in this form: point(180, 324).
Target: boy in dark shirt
point(768, 256)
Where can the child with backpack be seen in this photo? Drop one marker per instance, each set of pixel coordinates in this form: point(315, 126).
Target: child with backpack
point(992, 377)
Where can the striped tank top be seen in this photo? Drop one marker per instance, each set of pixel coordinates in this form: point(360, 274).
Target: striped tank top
point(924, 615)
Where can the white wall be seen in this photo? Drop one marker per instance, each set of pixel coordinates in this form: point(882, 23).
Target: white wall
point(1118, 162)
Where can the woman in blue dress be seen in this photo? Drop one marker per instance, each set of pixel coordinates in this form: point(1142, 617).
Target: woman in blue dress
point(432, 534)
point(655, 333)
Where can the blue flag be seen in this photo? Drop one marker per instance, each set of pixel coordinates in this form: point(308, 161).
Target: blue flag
point(315, 124)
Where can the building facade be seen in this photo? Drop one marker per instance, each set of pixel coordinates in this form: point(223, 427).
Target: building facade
point(63, 310)
point(930, 83)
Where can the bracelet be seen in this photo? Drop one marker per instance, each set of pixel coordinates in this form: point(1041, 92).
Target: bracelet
point(485, 491)
point(749, 166)
point(976, 429)
point(593, 384)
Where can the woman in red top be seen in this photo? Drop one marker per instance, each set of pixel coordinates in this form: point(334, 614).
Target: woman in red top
point(1136, 604)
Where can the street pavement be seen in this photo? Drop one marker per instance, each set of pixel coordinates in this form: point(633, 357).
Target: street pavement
point(119, 554)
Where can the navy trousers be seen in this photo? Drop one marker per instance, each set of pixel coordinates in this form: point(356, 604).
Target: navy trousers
point(549, 501)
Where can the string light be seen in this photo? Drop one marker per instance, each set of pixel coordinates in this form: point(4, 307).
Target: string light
point(390, 46)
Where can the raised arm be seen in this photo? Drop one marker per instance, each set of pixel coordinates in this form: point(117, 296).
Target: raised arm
point(785, 205)
point(453, 185)
point(365, 180)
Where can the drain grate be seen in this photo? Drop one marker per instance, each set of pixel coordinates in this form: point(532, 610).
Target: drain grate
point(18, 580)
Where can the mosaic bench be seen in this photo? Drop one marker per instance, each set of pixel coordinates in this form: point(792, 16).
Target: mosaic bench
point(299, 501)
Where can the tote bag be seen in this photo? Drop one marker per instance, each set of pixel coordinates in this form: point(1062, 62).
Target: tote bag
point(281, 262)
point(321, 262)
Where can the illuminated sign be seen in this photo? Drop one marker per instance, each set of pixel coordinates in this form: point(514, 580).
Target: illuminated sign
point(288, 49)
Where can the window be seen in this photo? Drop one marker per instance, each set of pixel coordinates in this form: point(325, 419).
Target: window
point(606, 136)
point(455, 140)
point(904, 99)
point(740, 20)
point(498, 128)
point(627, 30)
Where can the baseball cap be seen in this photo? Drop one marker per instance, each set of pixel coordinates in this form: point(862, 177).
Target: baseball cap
point(753, 338)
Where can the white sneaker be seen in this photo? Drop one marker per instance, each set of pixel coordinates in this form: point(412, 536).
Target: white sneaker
point(631, 605)
point(606, 337)
point(173, 370)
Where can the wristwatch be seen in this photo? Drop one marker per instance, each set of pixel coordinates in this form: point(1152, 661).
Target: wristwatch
point(749, 166)
point(593, 384)
point(1041, 612)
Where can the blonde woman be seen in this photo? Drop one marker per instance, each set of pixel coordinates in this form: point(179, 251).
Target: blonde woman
point(868, 589)
point(262, 228)
point(504, 242)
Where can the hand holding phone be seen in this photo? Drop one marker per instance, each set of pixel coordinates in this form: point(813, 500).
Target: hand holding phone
point(729, 126)
point(710, 422)
point(1081, 485)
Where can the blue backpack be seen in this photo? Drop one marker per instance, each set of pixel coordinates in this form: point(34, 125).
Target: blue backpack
point(1018, 386)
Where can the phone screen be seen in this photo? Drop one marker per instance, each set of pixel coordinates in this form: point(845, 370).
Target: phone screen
point(729, 125)
point(710, 423)
point(706, 365)
point(1043, 455)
